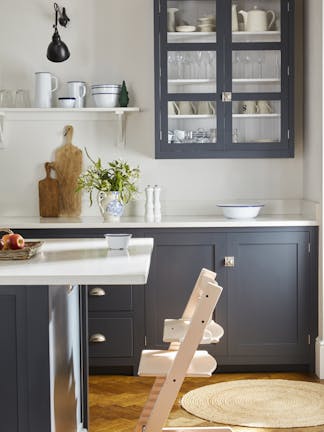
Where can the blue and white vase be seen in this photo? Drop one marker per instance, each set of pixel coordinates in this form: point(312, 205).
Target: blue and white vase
point(110, 206)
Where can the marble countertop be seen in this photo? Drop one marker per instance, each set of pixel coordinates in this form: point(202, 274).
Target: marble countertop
point(284, 220)
point(81, 261)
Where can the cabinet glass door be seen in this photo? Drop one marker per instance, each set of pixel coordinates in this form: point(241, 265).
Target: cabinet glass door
point(259, 78)
point(188, 68)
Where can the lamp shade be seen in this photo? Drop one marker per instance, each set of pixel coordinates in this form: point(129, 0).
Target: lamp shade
point(57, 51)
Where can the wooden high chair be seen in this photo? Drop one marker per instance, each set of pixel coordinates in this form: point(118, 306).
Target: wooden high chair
point(182, 359)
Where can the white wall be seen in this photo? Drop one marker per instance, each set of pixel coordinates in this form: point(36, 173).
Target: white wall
point(110, 41)
point(313, 155)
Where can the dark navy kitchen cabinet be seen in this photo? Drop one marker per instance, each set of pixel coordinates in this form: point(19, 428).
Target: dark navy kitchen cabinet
point(224, 79)
point(271, 298)
point(24, 360)
point(116, 328)
point(268, 306)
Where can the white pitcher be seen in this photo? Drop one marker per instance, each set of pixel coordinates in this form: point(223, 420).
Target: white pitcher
point(235, 25)
point(45, 85)
point(256, 20)
point(77, 90)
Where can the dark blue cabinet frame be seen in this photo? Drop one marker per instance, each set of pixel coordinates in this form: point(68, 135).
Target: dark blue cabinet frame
point(224, 148)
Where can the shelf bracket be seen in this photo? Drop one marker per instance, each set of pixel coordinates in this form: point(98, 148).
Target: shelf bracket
point(121, 134)
point(2, 120)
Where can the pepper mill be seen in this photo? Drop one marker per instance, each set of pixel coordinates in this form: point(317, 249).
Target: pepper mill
point(149, 210)
point(157, 204)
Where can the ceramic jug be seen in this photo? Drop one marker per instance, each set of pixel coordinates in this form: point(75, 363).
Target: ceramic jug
point(235, 26)
point(256, 20)
point(77, 90)
point(171, 19)
point(45, 85)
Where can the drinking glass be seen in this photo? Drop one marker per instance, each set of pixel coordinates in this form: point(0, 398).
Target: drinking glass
point(247, 65)
point(260, 61)
point(22, 99)
point(6, 99)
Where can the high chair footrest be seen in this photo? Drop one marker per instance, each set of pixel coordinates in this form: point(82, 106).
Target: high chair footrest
point(159, 362)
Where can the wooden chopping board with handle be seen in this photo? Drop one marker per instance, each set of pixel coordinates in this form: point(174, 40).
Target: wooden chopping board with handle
point(48, 191)
point(68, 167)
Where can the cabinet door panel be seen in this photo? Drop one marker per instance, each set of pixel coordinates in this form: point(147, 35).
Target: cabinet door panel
point(176, 263)
point(8, 363)
point(268, 300)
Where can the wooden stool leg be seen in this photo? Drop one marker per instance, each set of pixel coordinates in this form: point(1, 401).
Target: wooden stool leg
point(152, 397)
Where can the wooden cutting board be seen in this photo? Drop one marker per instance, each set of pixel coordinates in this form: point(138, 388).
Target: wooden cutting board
point(68, 166)
point(48, 191)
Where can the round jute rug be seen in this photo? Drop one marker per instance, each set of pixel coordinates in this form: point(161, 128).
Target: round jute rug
point(271, 403)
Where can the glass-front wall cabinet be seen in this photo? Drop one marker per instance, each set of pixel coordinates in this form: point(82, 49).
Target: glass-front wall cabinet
point(224, 78)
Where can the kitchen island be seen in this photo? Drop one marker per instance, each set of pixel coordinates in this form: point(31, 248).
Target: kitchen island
point(43, 329)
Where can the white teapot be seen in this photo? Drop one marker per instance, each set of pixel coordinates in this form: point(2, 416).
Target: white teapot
point(256, 20)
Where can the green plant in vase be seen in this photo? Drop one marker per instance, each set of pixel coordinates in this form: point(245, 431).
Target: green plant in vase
point(115, 184)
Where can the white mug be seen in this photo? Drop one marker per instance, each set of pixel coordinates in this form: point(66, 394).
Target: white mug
point(77, 90)
point(205, 107)
point(248, 107)
point(173, 108)
point(264, 107)
point(45, 85)
point(186, 108)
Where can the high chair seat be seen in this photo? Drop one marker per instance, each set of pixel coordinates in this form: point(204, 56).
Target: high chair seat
point(158, 363)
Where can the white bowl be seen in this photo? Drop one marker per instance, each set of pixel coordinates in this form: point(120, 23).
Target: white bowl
point(240, 211)
point(105, 100)
point(66, 102)
point(98, 90)
point(186, 28)
point(118, 241)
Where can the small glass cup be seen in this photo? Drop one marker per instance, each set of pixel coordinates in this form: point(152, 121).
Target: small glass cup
point(22, 99)
point(6, 99)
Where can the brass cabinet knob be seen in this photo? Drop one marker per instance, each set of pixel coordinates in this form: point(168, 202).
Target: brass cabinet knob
point(97, 338)
point(97, 292)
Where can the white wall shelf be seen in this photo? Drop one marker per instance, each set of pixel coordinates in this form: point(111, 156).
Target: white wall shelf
point(91, 113)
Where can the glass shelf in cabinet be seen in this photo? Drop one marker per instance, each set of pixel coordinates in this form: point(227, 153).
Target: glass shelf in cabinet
point(266, 36)
point(192, 37)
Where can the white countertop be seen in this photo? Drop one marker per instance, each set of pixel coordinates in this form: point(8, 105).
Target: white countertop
point(284, 220)
point(81, 261)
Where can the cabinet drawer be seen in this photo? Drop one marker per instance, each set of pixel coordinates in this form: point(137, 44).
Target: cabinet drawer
point(111, 337)
point(110, 298)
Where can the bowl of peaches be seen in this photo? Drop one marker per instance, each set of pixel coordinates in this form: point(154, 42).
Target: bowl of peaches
point(13, 246)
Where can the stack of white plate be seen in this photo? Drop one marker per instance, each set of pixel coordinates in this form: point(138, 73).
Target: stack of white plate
point(105, 95)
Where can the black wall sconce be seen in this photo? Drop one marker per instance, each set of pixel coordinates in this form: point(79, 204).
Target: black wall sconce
point(57, 51)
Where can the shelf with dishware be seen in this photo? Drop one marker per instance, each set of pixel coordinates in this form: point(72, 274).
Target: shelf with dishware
point(87, 113)
point(192, 37)
point(260, 36)
point(256, 115)
point(237, 36)
point(191, 81)
point(191, 116)
point(227, 67)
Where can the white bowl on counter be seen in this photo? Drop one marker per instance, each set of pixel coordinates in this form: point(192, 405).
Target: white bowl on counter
point(118, 241)
point(106, 100)
point(240, 211)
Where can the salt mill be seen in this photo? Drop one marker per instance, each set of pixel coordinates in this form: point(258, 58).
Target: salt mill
point(157, 204)
point(149, 209)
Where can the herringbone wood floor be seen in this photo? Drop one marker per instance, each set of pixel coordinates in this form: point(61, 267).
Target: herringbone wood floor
point(116, 401)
